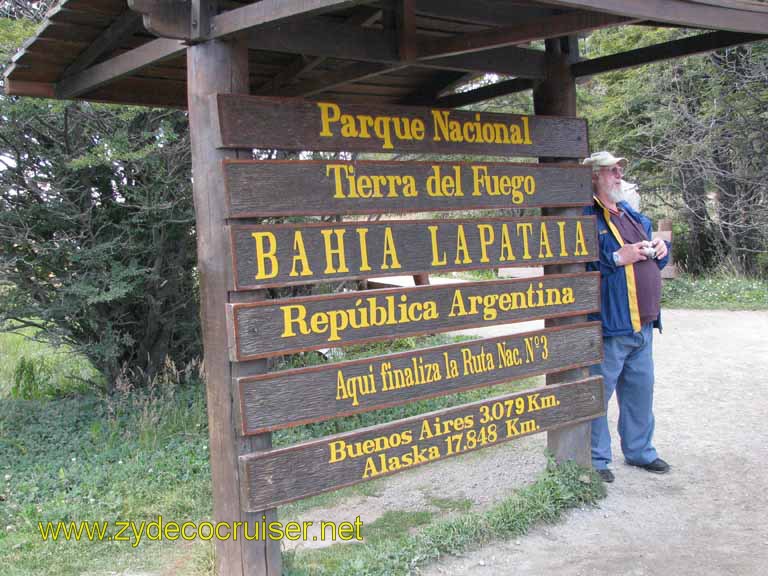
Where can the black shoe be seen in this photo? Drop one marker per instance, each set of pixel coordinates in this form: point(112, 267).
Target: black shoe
point(606, 475)
point(658, 466)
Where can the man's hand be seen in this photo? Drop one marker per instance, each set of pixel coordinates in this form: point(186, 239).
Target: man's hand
point(631, 253)
point(660, 246)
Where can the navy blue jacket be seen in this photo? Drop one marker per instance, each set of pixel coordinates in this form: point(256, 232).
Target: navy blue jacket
point(619, 310)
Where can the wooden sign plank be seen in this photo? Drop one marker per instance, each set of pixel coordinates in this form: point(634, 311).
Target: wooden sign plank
point(312, 187)
point(274, 327)
point(275, 477)
point(287, 254)
point(298, 124)
point(301, 396)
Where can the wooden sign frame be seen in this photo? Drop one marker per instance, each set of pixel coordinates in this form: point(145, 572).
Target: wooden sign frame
point(314, 394)
point(290, 254)
point(257, 332)
point(256, 188)
point(298, 124)
point(276, 477)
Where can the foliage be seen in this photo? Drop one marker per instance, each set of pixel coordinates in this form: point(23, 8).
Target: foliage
point(30, 9)
point(697, 133)
point(33, 370)
point(96, 229)
point(560, 487)
point(131, 456)
point(716, 292)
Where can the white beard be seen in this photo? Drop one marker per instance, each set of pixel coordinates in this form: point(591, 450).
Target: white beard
point(616, 194)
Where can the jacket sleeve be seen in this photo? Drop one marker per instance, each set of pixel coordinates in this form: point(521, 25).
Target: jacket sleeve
point(607, 246)
point(661, 262)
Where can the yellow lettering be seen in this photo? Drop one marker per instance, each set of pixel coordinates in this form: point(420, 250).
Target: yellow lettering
point(437, 260)
point(300, 256)
point(338, 251)
point(461, 247)
point(265, 254)
point(389, 251)
point(527, 229)
point(563, 243)
point(544, 250)
point(581, 244)
point(362, 232)
point(329, 112)
point(294, 314)
point(486, 239)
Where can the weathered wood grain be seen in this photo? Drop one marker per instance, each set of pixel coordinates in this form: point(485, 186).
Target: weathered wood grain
point(278, 476)
point(300, 396)
point(295, 124)
point(286, 254)
point(275, 327)
point(296, 188)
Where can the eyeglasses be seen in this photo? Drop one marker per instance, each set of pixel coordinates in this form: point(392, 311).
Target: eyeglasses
point(615, 170)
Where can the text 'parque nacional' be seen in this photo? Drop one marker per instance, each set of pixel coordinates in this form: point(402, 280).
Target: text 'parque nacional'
point(251, 121)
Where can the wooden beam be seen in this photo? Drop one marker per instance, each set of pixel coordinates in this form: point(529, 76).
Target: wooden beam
point(489, 12)
point(299, 65)
point(332, 40)
point(222, 67)
point(345, 41)
point(271, 11)
point(741, 17)
point(664, 51)
point(122, 28)
point(351, 73)
point(509, 60)
point(128, 63)
point(552, 27)
point(24, 88)
point(486, 93)
point(406, 29)
point(557, 96)
point(165, 18)
point(459, 81)
point(201, 14)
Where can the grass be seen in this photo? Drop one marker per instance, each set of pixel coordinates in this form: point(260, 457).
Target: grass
point(93, 459)
point(133, 457)
point(35, 370)
point(558, 489)
point(719, 292)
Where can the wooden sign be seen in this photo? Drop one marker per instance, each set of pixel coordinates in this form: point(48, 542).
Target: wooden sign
point(298, 124)
point(290, 187)
point(300, 396)
point(274, 327)
point(286, 254)
point(278, 476)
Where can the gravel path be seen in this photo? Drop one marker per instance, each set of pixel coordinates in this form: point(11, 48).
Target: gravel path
point(709, 515)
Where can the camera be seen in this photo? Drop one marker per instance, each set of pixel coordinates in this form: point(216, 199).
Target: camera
point(649, 250)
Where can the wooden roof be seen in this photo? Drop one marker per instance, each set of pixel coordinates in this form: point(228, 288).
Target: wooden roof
point(385, 51)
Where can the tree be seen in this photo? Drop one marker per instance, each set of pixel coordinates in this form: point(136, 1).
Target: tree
point(97, 244)
point(697, 132)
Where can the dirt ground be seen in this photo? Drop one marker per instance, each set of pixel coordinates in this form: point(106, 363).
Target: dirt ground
point(709, 515)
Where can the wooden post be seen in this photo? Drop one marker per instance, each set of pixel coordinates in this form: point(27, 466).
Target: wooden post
point(556, 96)
point(222, 67)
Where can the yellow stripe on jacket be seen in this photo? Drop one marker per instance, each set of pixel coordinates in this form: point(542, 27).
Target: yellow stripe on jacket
point(634, 307)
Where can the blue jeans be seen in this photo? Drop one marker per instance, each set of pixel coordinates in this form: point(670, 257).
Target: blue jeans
point(627, 368)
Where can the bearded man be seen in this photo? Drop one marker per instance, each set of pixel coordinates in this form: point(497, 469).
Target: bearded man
point(630, 297)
